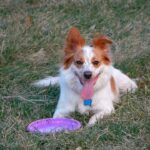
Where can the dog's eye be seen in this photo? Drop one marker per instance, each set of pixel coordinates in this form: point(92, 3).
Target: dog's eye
point(78, 62)
point(95, 62)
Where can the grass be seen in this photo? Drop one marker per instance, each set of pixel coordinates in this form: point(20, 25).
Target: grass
point(31, 40)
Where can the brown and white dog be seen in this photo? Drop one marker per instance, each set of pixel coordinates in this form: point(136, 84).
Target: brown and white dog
point(83, 64)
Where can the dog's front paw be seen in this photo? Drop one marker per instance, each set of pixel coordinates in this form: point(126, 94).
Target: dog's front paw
point(61, 113)
point(95, 118)
point(98, 116)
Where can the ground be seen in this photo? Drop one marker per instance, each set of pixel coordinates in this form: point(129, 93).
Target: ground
point(32, 34)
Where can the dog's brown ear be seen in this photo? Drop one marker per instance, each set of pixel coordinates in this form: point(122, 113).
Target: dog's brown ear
point(102, 42)
point(74, 40)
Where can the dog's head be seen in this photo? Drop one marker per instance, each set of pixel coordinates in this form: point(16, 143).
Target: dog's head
point(86, 61)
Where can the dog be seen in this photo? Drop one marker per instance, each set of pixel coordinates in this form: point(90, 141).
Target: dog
point(88, 81)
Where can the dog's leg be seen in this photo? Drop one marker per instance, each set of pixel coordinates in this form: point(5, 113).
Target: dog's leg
point(61, 113)
point(99, 115)
point(67, 102)
point(64, 108)
point(123, 82)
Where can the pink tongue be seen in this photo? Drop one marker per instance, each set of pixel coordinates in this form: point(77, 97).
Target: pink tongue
point(88, 89)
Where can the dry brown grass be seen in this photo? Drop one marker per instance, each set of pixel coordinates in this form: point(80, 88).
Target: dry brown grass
point(31, 49)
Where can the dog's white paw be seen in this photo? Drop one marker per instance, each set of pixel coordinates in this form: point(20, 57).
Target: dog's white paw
point(98, 116)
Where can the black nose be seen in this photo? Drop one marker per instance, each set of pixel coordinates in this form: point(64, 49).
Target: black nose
point(87, 74)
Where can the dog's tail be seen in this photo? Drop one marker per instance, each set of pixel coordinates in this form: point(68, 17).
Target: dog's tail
point(46, 82)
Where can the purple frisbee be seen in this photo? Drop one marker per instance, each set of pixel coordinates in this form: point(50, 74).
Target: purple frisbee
point(53, 125)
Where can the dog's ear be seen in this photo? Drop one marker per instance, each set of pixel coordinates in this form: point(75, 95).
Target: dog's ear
point(74, 40)
point(102, 42)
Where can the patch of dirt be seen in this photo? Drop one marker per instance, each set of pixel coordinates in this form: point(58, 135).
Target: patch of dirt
point(39, 57)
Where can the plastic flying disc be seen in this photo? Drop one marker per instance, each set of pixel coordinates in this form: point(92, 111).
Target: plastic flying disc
point(53, 125)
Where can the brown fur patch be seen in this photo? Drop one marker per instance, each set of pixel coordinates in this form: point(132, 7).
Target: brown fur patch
point(113, 85)
point(96, 58)
point(68, 59)
point(78, 56)
point(102, 42)
point(73, 57)
point(74, 40)
point(74, 43)
point(102, 56)
point(101, 49)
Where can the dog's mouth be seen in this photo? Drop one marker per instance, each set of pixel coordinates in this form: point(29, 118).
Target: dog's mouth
point(84, 81)
point(88, 86)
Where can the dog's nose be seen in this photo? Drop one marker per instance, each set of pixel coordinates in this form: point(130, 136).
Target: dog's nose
point(87, 74)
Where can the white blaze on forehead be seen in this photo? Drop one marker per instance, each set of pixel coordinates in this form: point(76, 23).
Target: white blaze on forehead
point(88, 53)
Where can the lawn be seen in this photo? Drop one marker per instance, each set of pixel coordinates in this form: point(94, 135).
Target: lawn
point(32, 36)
